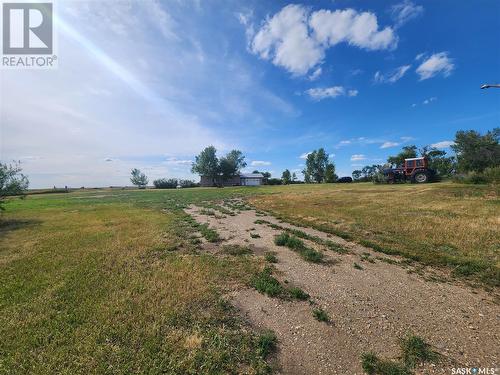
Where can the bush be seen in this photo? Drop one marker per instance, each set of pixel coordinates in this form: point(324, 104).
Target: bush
point(164, 183)
point(488, 176)
point(172, 183)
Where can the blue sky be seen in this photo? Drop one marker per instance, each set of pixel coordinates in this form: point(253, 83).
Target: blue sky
point(148, 84)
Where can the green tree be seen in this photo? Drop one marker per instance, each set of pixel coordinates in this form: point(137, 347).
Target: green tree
point(294, 177)
point(407, 152)
point(476, 152)
point(207, 164)
point(316, 163)
point(138, 178)
point(12, 182)
point(286, 177)
point(437, 160)
point(231, 164)
point(330, 175)
point(356, 174)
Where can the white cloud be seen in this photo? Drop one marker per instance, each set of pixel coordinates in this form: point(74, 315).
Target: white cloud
point(296, 39)
point(407, 139)
point(304, 155)
point(393, 76)
point(438, 63)
point(259, 163)
point(330, 92)
point(420, 56)
point(315, 75)
point(442, 144)
point(405, 11)
point(414, 105)
point(358, 157)
point(349, 26)
point(430, 100)
point(175, 161)
point(389, 144)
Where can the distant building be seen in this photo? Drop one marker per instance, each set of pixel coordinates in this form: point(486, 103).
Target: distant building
point(244, 179)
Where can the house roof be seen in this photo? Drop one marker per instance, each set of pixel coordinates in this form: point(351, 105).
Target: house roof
point(251, 175)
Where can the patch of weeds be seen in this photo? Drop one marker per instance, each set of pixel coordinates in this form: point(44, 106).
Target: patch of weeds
point(387, 260)
point(254, 235)
point(260, 221)
point(298, 293)
point(416, 350)
point(281, 239)
point(335, 247)
point(294, 243)
point(366, 257)
point(357, 266)
point(270, 256)
point(321, 315)
point(373, 365)
point(266, 343)
point(210, 234)
point(265, 283)
point(206, 212)
point(236, 250)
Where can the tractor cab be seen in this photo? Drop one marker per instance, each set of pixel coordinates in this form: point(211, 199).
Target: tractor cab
point(415, 170)
point(412, 164)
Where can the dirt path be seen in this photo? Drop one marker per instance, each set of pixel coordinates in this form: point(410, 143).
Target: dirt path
point(370, 308)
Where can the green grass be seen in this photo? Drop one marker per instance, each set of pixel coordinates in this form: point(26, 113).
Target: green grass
point(265, 283)
point(236, 250)
point(295, 244)
point(441, 224)
point(270, 257)
point(267, 343)
point(297, 293)
point(321, 315)
point(111, 282)
point(373, 365)
point(357, 266)
point(414, 352)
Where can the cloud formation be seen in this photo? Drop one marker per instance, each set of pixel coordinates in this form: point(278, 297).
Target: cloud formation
point(442, 144)
point(259, 163)
point(296, 39)
point(358, 157)
point(389, 144)
point(405, 11)
point(330, 92)
point(438, 63)
point(393, 76)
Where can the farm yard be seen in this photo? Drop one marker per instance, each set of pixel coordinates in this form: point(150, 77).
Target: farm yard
point(293, 279)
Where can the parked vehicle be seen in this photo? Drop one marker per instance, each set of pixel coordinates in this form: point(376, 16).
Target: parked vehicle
point(415, 170)
point(344, 180)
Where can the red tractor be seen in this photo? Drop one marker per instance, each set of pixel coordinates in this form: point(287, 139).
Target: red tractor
point(415, 170)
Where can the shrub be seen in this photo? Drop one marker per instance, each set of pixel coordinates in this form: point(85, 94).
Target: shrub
point(281, 239)
point(321, 315)
point(298, 293)
point(164, 183)
point(488, 176)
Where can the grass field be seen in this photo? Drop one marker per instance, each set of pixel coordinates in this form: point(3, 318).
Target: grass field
point(112, 281)
point(441, 224)
point(109, 283)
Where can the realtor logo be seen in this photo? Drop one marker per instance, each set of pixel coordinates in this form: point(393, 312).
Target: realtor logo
point(27, 29)
point(28, 36)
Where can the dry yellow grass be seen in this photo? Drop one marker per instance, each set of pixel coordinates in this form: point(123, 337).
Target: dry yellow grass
point(443, 223)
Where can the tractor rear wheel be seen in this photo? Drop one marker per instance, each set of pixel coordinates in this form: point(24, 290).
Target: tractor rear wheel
point(420, 177)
